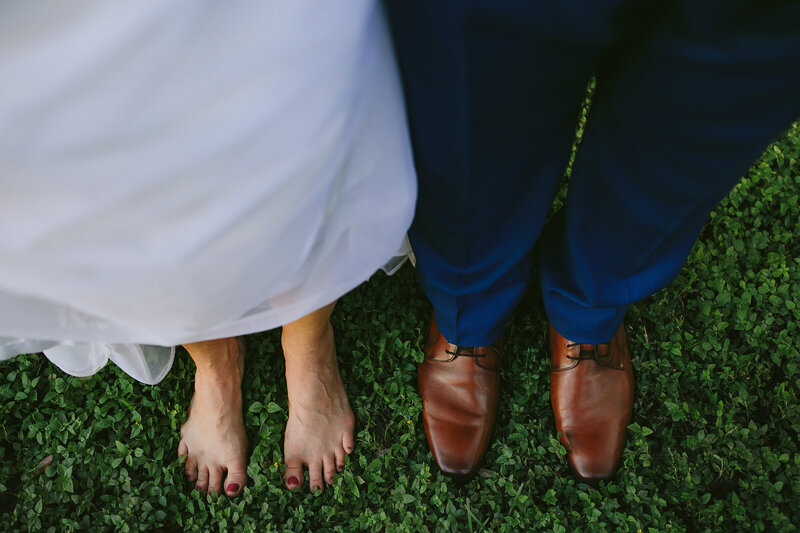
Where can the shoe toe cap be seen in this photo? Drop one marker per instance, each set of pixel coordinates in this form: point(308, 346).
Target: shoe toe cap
point(594, 455)
point(458, 448)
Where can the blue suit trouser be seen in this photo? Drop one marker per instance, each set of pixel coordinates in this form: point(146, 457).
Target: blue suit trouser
point(688, 94)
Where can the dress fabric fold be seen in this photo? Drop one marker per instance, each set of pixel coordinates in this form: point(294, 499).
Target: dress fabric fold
point(179, 171)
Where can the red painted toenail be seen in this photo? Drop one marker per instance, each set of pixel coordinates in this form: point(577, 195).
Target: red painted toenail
point(292, 482)
point(233, 487)
point(198, 487)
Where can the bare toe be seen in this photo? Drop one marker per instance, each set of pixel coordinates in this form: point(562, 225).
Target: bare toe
point(293, 476)
point(214, 480)
point(340, 459)
point(190, 467)
point(328, 468)
point(315, 475)
point(202, 479)
point(183, 449)
point(235, 480)
point(347, 441)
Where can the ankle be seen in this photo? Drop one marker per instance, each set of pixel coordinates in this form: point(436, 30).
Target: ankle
point(216, 357)
point(308, 344)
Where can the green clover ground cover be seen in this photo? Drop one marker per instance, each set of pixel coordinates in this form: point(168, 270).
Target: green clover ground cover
point(713, 446)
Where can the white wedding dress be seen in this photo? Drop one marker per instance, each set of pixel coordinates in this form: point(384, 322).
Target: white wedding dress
point(180, 170)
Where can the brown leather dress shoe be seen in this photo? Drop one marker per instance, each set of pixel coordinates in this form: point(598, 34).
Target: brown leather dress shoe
point(591, 391)
point(459, 387)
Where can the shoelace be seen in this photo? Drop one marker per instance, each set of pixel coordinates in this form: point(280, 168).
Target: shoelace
point(607, 360)
point(465, 351)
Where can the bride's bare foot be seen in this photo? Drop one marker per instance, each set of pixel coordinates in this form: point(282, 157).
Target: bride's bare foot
point(213, 436)
point(319, 432)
